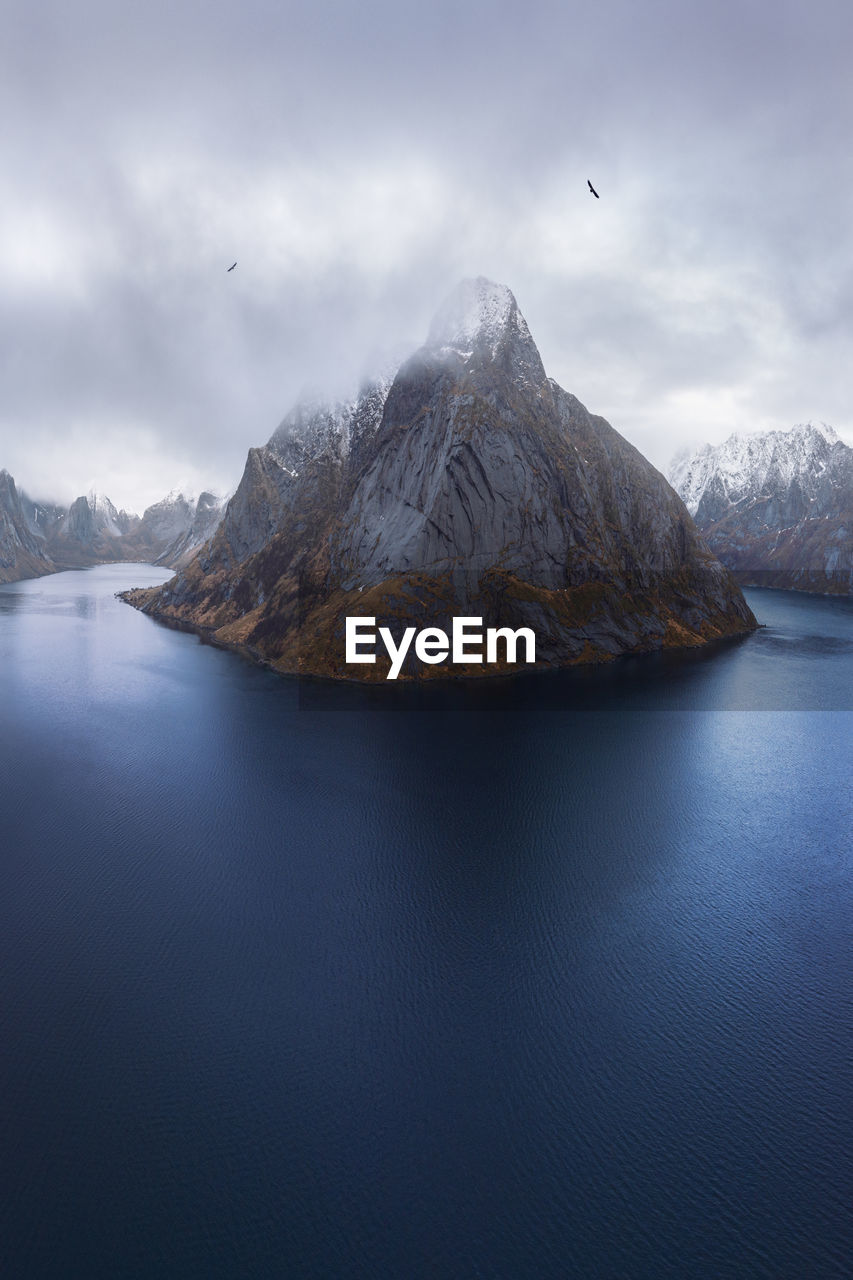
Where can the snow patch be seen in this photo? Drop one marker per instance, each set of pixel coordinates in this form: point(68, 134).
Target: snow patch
point(315, 426)
point(478, 313)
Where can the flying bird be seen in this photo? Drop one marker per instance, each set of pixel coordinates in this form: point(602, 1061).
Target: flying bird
point(592, 189)
point(231, 268)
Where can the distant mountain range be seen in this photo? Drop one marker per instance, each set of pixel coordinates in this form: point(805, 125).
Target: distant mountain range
point(463, 482)
point(776, 506)
point(38, 538)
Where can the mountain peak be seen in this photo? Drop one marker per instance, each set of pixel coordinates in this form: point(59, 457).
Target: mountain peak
point(479, 323)
point(476, 311)
point(817, 428)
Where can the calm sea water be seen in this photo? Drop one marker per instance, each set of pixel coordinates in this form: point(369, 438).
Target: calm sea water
point(541, 978)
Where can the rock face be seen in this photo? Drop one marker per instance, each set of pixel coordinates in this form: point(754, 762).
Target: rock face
point(192, 525)
point(467, 484)
point(776, 507)
point(23, 552)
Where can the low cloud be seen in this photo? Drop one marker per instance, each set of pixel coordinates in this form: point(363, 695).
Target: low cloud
point(357, 163)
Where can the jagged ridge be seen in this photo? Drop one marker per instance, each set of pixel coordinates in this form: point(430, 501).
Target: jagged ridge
point(776, 506)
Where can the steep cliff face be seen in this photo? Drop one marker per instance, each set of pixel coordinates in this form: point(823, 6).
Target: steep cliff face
point(468, 484)
point(203, 517)
point(23, 550)
point(776, 506)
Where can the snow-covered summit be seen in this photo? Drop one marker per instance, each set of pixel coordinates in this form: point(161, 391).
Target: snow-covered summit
point(752, 465)
point(478, 314)
point(480, 324)
point(776, 504)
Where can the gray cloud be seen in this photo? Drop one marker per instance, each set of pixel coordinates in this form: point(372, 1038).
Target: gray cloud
point(356, 161)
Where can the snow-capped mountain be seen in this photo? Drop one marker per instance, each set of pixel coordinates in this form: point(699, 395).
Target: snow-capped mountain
point(763, 463)
point(466, 483)
point(776, 503)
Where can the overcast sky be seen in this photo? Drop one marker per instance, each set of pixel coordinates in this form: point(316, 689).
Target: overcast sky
point(357, 160)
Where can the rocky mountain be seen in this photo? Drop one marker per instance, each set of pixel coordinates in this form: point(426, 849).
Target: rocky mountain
point(38, 537)
point(91, 531)
point(167, 520)
point(22, 547)
point(776, 506)
point(204, 515)
point(468, 484)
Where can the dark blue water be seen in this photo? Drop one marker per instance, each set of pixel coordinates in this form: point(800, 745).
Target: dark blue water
point(541, 978)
